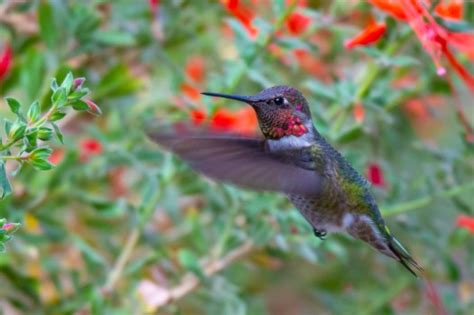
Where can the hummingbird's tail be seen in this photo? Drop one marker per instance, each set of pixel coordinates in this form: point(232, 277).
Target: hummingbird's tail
point(401, 254)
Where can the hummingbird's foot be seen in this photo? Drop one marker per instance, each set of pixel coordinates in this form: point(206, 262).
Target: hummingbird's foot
point(321, 234)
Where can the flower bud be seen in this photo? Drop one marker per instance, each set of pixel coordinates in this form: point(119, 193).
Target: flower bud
point(77, 83)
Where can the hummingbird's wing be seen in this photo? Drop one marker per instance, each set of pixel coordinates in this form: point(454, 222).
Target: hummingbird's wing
point(242, 161)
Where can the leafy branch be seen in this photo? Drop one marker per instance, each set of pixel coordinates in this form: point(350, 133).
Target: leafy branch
point(26, 138)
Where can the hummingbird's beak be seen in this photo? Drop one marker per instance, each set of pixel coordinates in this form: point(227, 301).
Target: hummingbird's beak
point(245, 99)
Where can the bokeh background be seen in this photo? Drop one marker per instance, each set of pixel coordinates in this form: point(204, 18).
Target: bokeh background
point(120, 226)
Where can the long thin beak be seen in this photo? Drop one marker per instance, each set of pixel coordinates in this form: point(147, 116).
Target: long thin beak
point(245, 99)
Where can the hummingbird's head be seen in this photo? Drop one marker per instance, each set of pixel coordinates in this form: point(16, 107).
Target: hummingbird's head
point(281, 111)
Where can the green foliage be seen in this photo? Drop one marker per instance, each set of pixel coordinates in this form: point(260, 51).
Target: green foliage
point(112, 224)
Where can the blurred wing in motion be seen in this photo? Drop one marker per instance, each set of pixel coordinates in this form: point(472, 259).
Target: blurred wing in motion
point(240, 161)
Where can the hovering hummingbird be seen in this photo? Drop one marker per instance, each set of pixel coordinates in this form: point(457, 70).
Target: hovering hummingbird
point(295, 159)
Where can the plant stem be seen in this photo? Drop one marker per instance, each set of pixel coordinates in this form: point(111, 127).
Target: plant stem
point(189, 282)
point(122, 260)
point(425, 201)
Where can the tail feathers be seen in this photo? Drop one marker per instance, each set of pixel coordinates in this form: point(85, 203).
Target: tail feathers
point(403, 256)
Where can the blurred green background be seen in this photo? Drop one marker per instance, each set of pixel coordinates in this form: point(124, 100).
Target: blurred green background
point(120, 226)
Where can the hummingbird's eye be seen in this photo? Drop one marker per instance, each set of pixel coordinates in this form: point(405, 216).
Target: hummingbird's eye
point(278, 101)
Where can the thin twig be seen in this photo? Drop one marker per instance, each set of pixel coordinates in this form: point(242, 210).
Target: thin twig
point(190, 281)
point(122, 260)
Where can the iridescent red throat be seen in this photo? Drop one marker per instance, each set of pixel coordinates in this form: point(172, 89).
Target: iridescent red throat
point(292, 127)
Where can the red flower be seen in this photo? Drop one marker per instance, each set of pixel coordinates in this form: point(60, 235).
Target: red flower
point(358, 112)
point(392, 7)
point(56, 156)
point(8, 227)
point(5, 61)
point(243, 121)
point(198, 116)
point(89, 147)
point(297, 23)
point(243, 14)
point(93, 108)
point(434, 38)
point(466, 222)
point(191, 92)
point(375, 175)
point(153, 6)
point(195, 69)
point(372, 33)
point(451, 10)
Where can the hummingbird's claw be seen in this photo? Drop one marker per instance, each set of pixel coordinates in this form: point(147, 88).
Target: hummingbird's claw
point(321, 234)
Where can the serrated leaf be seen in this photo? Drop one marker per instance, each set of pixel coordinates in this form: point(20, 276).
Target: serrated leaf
point(33, 112)
point(5, 188)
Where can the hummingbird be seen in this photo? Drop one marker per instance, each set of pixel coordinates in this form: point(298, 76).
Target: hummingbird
point(292, 158)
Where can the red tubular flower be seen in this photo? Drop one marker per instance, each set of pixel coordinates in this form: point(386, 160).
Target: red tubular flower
point(466, 222)
point(392, 7)
point(243, 121)
point(153, 6)
point(358, 112)
point(297, 23)
point(435, 39)
point(198, 116)
point(89, 147)
point(191, 92)
point(375, 175)
point(5, 61)
point(372, 33)
point(93, 108)
point(450, 10)
point(194, 70)
point(243, 14)
point(56, 156)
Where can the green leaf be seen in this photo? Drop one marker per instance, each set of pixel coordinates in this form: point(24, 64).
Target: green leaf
point(57, 115)
point(33, 112)
point(350, 135)
point(54, 84)
point(17, 130)
point(190, 262)
point(114, 38)
point(460, 26)
point(59, 97)
point(67, 82)
point(48, 29)
point(14, 105)
point(58, 132)
point(45, 133)
point(321, 89)
point(469, 11)
point(79, 105)
point(32, 73)
point(8, 126)
point(5, 188)
point(41, 165)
